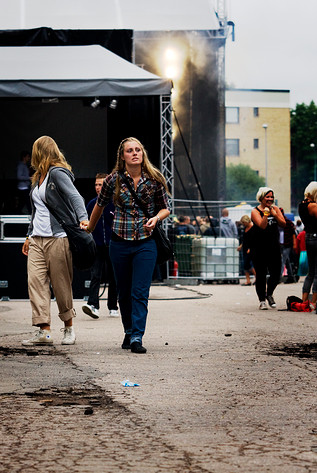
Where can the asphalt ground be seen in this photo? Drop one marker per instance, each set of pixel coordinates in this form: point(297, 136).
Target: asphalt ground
point(224, 387)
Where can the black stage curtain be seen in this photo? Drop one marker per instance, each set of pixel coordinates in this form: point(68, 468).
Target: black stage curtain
point(117, 41)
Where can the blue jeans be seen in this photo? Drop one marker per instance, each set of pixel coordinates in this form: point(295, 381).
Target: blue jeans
point(311, 248)
point(133, 264)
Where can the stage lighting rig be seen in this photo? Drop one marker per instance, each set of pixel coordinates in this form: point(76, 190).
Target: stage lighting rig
point(95, 103)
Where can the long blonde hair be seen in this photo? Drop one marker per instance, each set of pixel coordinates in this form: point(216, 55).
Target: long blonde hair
point(147, 167)
point(46, 153)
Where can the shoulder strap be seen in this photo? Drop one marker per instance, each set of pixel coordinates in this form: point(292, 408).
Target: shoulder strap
point(57, 217)
point(51, 210)
point(134, 195)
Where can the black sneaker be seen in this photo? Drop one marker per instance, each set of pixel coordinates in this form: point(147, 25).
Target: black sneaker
point(271, 301)
point(126, 342)
point(136, 347)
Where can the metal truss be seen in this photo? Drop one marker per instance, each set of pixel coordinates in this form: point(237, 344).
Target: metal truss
point(167, 164)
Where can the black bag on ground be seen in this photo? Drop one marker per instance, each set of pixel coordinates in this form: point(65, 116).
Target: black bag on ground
point(291, 299)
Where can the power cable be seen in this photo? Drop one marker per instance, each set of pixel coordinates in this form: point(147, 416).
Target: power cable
point(195, 175)
point(186, 195)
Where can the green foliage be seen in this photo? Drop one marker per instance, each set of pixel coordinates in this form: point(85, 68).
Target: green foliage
point(242, 182)
point(303, 155)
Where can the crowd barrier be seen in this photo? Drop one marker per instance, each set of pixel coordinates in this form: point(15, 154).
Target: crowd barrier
point(205, 258)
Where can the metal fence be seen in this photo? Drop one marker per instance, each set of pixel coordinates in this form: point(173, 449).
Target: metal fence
point(206, 257)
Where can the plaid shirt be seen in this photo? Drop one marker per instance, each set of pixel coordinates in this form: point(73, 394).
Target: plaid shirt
point(129, 219)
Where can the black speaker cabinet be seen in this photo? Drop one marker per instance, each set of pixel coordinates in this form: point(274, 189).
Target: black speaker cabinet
point(13, 271)
point(13, 274)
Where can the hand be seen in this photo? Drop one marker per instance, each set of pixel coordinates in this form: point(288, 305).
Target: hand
point(25, 247)
point(273, 211)
point(151, 223)
point(84, 225)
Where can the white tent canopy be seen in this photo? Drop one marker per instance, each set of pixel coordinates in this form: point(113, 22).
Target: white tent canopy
point(73, 71)
point(138, 15)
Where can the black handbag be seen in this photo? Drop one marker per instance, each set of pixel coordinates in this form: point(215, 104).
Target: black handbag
point(81, 243)
point(163, 244)
point(82, 246)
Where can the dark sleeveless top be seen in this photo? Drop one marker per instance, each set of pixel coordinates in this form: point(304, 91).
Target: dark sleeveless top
point(266, 237)
point(309, 221)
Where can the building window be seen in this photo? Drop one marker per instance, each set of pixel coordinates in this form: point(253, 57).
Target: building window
point(232, 114)
point(256, 143)
point(256, 111)
point(233, 147)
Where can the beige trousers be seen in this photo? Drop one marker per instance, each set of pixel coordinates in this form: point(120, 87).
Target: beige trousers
point(50, 262)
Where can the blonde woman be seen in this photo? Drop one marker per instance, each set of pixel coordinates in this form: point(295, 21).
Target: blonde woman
point(46, 245)
point(132, 249)
point(308, 213)
point(265, 250)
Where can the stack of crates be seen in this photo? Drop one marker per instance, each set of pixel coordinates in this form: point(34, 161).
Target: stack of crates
point(184, 254)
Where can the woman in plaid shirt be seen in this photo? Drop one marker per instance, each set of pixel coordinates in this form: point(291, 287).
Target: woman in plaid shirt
point(132, 249)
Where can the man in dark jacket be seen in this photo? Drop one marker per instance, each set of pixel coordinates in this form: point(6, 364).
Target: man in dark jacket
point(102, 236)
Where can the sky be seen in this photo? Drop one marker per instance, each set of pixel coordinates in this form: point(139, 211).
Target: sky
point(275, 47)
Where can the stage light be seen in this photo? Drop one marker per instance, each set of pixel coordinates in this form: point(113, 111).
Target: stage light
point(170, 54)
point(95, 103)
point(113, 104)
point(171, 62)
point(171, 72)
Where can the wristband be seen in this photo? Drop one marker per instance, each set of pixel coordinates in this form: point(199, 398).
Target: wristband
point(88, 230)
point(158, 219)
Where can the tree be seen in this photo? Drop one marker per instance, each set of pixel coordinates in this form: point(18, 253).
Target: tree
point(242, 182)
point(303, 149)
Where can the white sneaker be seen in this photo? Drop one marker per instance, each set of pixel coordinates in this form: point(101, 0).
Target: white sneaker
point(113, 313)
point(263, 305)
point(41, 337)
point(69, 336)
point(91, 310)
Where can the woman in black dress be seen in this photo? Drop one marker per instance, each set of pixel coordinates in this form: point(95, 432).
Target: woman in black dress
point(265, 250)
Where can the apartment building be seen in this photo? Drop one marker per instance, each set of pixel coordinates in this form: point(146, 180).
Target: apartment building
point(258, 134)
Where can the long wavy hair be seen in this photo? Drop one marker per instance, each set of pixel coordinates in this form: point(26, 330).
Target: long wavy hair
point(147, 167)
point(46, 153)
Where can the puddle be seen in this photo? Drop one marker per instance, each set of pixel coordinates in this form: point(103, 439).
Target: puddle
point(91, 396)
point(40, 350)
point(296, 350)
